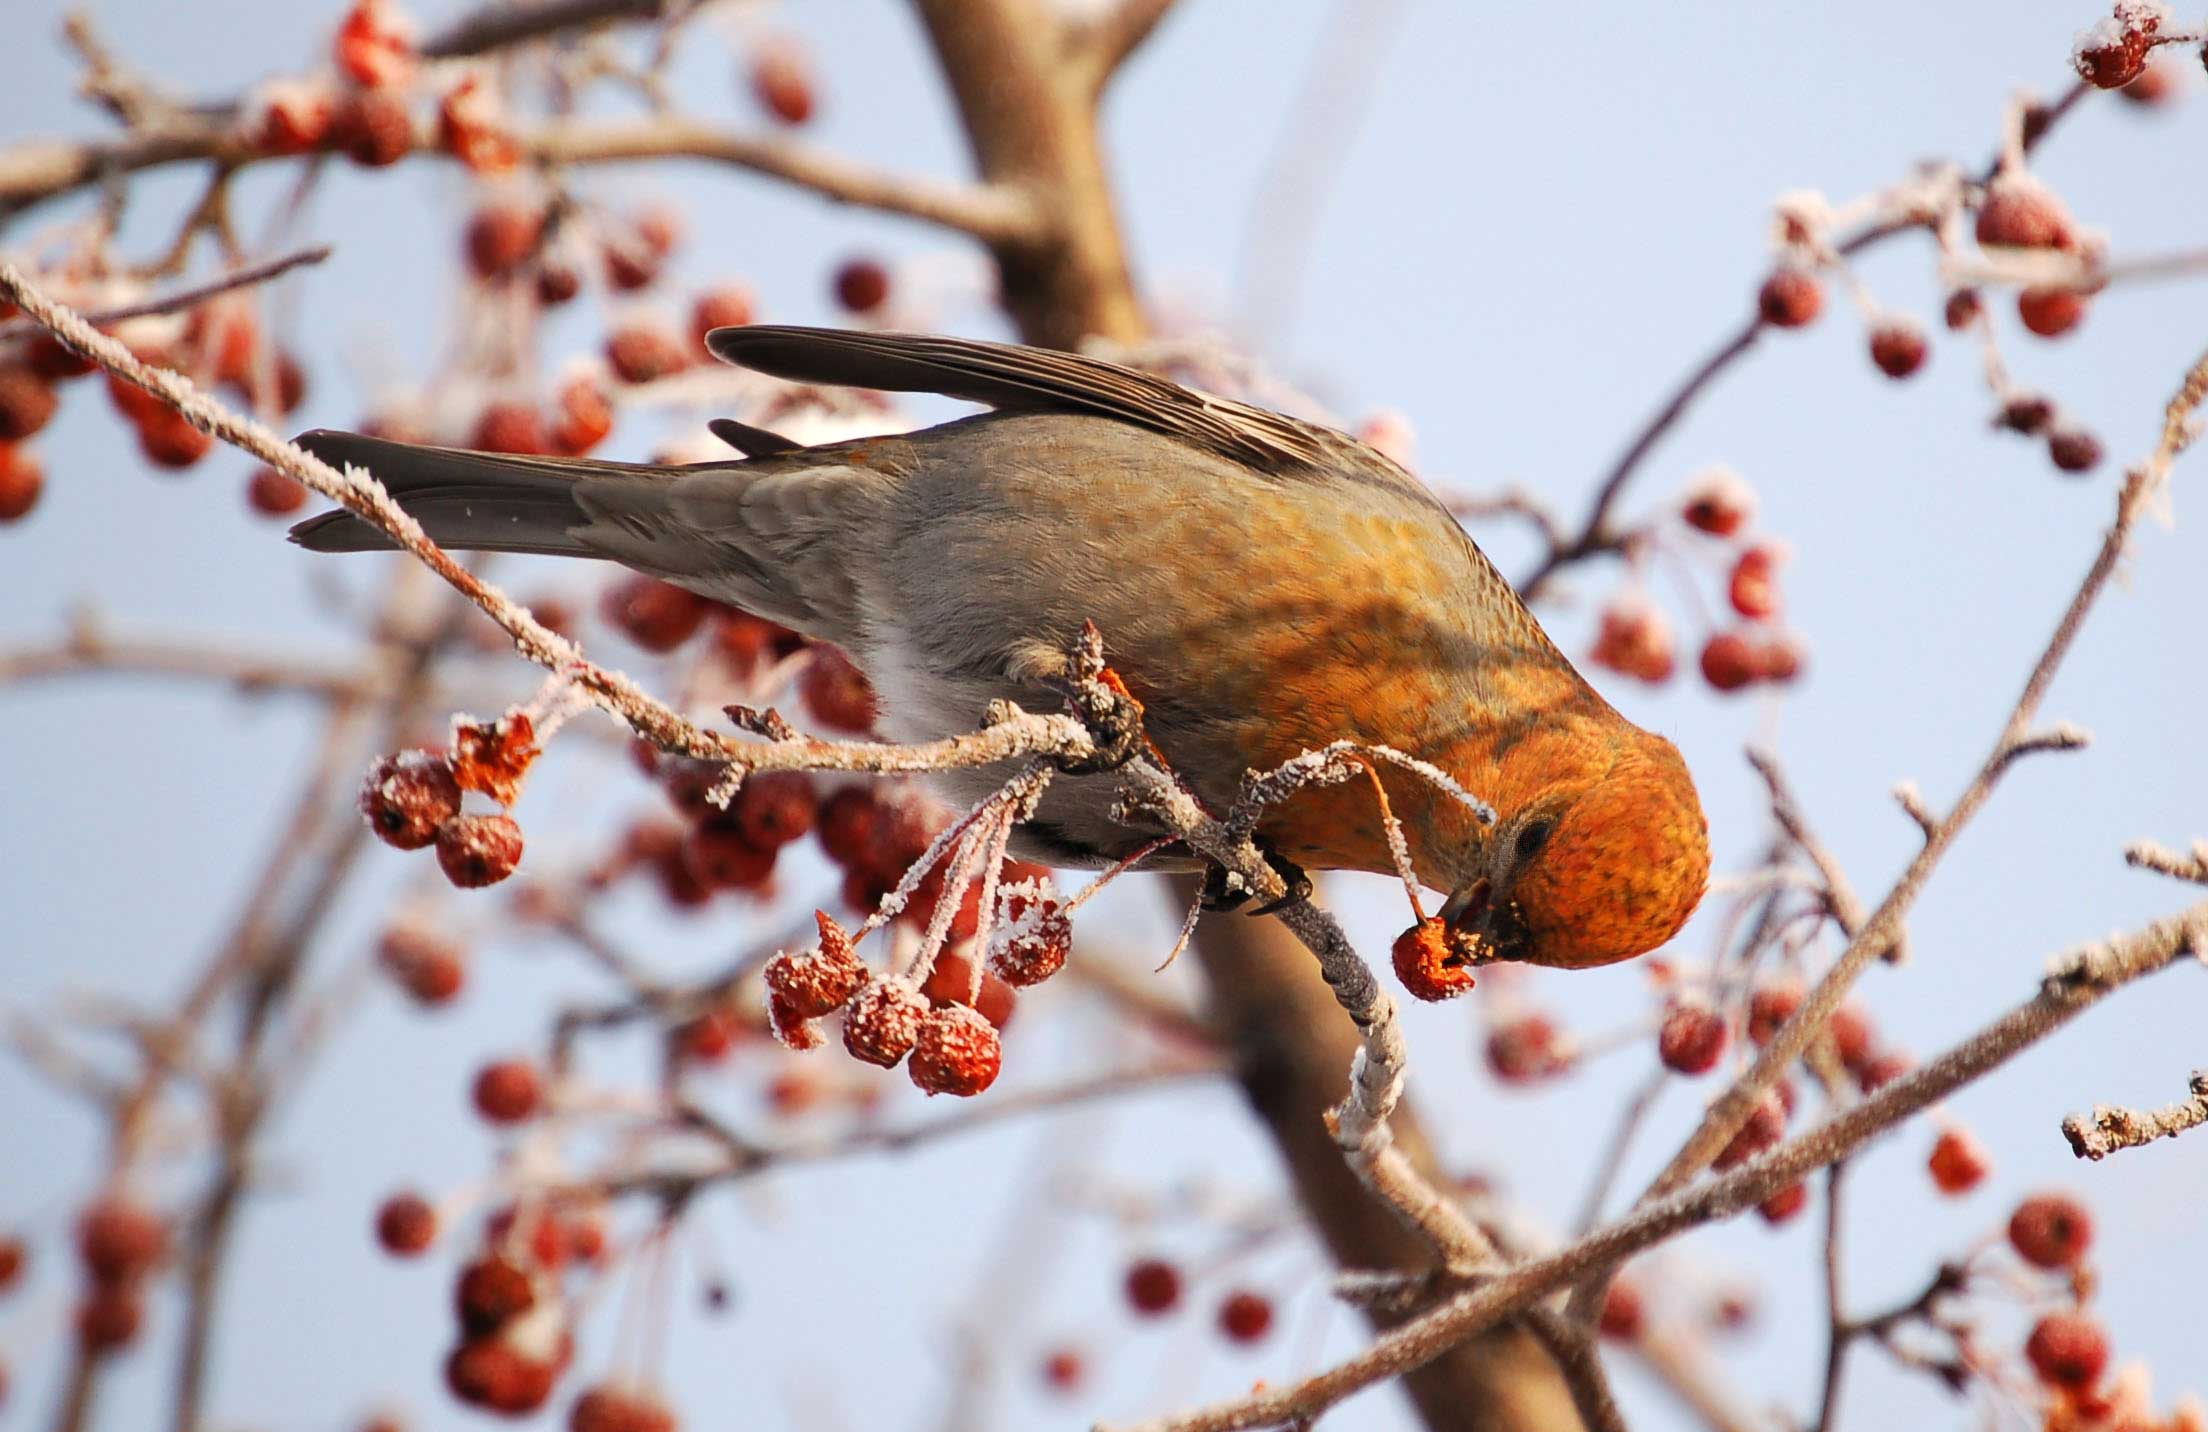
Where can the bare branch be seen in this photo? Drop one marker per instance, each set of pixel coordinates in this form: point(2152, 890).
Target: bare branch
point(2148, 855)
point(1099, 46)
point(2077, 981)
point(2111, 1128)
point(495, 27)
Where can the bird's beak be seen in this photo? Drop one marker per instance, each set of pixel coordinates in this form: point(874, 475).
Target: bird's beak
point(1466, 910)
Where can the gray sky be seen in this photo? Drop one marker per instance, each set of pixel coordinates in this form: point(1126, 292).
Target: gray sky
point(1545, 217)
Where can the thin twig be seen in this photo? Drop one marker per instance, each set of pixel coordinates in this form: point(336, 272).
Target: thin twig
point(2112, 1127)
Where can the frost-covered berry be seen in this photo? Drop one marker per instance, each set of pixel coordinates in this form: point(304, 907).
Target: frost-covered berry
point(882, 1022)
point(819, 981)
point(2051, 1230)
point(773, 808)
point(958, 1052)
point(478, 850)
point(1753, 587)
point(1033, 935)
point(510, 427)
point(2019, 212)
point(1730, 661)
point(1634, 638)
point(1764, 1127)
point(408, 796)
point(1770, 1005)
point(492, 1292)
point(722, 857)
point(1692, 1038)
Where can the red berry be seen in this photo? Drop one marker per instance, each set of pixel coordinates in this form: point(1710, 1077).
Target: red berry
point(1790, 298)
point(2154, 85)
point(2028, 413)
point(109, 1316)
point(289, 117)
point(274, 494)
point(744, 640)
point(408, 796)
point(487, 1372)
point(644, 353)
point(611, 1407)
point(226, 336)
point(558, 281)
point(406, 1224)
point(1153, 1286)
point(1730, 661)
point(1784, 1204)
point(1623, 1316)
point(373, 128)
point(1246, 1317)
point(851, 822)
point(2111, 54)
point(119, 1241)
point(2068, 1349)
point(168, 439)
point(2051, 1230)
point(429, 969)
point(375, 44)
point(1881, 1069)
point(656, 615)
point(2021, 213)
point(22, 479)
point(508, 1091)
point(819, 981)
point(2074, 450)
point(1526, 1049)
point(1635, 639)
point(782, 81)
point(882, 1022)
point(1853, 1037)
point(27, 403)
point(13, 1255)
point(2050, 312)
point(1959, 1163)
point(729, 306)
point(1431, 964)
point(862, 285)
point(630, 265)
point(1963, 309)
point(707, 1038)
point(501, 237)
point(491, 1293)
point(958, 1053)
point(836, 692)
point(1692, 1039)
point(1753, 587)
point(510, 427)
point(1063, 1370)
point(478, 850)
point(952, 982)
point(1033, 936)
point(54, 360)
point(722, 857)
point(1765, 1126)
point(774, 808)
point(1898, 348)
point(585, 417)
point(1718, 501)
point(1771, 1005)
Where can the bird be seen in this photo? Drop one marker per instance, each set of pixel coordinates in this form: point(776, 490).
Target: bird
point(1264, 586)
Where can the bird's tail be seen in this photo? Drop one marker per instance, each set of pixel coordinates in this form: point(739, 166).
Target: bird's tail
point(468, 501)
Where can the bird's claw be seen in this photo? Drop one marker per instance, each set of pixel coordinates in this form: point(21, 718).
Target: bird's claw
point(1225, 890)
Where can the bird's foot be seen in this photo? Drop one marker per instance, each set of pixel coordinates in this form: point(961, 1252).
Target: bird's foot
point(1226, 890)
point(1114, 720)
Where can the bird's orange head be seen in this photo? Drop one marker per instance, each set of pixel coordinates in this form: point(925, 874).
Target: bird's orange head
point(1599, 851)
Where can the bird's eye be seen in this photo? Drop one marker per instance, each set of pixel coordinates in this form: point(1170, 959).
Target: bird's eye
point(1533, 837)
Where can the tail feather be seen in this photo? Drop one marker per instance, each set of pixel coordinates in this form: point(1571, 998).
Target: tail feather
point(467, 501)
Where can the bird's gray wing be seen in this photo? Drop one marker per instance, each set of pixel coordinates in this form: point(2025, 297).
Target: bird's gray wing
point(1017, 379)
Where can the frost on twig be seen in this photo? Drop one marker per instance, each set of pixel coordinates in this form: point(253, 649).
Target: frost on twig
point(2111, 1127)
point(2151, 855)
